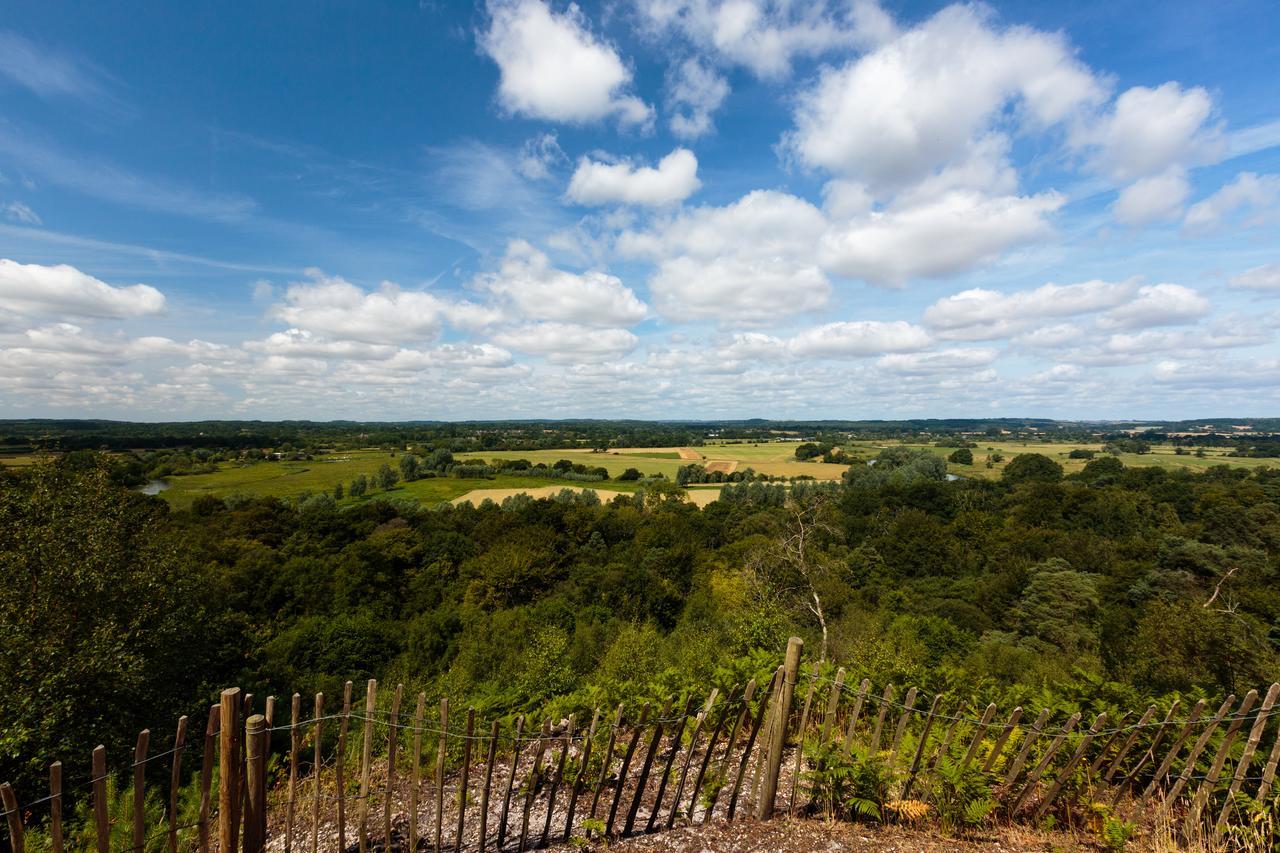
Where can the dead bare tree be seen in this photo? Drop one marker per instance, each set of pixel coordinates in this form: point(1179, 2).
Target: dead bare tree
point(796, 566)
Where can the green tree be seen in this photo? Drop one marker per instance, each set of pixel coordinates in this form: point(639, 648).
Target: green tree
point(1029, 467)
point(963, 456)
point(104, 629)
point(629, 475)
point(359, 486)
point(337, 492)
point(386, 477)
point(409, 467)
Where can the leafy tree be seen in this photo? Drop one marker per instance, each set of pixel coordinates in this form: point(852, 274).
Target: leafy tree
point(386, 476)
point(359, 486)
point(1060, 608)
point(337, 491)
point(1031, 467)
point(963, 456)
point(409, 467)
point(629, 475)
point(104, 629)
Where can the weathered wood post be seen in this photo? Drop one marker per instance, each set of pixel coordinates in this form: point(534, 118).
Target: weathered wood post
point(228, 769)
point(778, 733)
point(17, 840)
point(255, 813)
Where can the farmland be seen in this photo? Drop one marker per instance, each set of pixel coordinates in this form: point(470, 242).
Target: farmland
point(292, 479)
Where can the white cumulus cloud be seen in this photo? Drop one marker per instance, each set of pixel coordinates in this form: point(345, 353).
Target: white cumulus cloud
point(673, 180)
point(1153, 199)
point(917, 103)
point(62, 291)
point(337, 309)
point(536, 290)
point(1264, 278)
point(568, 343)
point(552, 66)
point(951, 233)
point(748, 263)
point(1247, 191)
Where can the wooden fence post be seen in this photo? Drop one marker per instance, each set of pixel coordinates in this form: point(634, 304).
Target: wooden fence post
point(751, 739)
point(804, 724)
point(511, 780)
point(626, 765)
point(863, 689)
point(778, 734)
point(366, 757)
point(741, 715)
point(1220, 759)
point(604, 768)
point(393, 737)
point(1198, 748)
point(531, 783)
point(255, 813)
point(101, 825)
point(978, 734)
point(924, 739)
point(339, 769)
point(140, 789)
point(577, 781)
point(1027, 741)
point(206, 775)
point(1065, 773)
point(442, 756)
point(316, 764)
point(555, 782)
point(55, 805)
point(14, 814)
point(1128, 744)
point(463, 779)
point(688, 757)
point(1034, 776)
point(645, 767)
point(907, 705)
point(676, 736)
point(489, 761)
point(415, 772)
point(1172, 755)
point(1251, 746)
point(998, 747)
point(710, 751)
point(228, 769)
point(175, 781)
point(295, 715)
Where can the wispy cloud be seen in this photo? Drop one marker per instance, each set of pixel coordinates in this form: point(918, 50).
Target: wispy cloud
point(106, 181)
point(52, 74)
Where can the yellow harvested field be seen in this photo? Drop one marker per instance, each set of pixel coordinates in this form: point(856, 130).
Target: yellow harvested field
point(702, 497)
point(478, 496)
point(689, 453)
point(697, 496)
point(727, 466)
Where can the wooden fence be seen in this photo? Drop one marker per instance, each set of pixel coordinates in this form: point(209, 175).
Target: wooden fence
point(748, 753)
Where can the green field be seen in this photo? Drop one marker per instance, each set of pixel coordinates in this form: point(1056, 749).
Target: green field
point(614, 463)
point(290, 479)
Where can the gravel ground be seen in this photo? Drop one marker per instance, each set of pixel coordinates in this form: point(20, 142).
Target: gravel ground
point(803, 836)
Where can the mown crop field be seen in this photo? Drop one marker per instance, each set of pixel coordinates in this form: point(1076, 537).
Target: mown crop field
point(777, 459)
point(1161, 456)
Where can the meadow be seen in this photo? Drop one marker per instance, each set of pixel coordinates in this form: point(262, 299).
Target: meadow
point(291, 479)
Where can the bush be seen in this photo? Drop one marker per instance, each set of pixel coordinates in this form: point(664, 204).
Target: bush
point(963, 456)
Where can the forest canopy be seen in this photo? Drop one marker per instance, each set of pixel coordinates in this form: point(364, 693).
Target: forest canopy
point(1110, 585)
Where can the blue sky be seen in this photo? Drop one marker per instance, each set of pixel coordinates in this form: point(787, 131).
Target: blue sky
point(643, 208)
